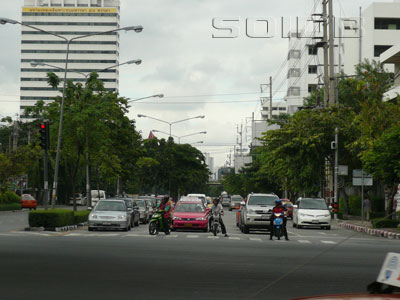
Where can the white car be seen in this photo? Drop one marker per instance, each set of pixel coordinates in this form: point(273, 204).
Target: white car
point(311, 212)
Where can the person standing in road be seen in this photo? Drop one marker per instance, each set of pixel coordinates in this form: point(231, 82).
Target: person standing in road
point(367, 207)
point(165, 206)
point(217, 209)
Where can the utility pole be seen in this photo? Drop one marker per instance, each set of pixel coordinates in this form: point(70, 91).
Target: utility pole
point(331, 55)
point(326, 58)
point(270, 97)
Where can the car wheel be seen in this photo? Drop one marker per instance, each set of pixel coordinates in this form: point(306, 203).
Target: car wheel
point(245, 229)
point(294, 225)
point(137, 223)
point(328, 227)
point(126, 228)
point(205, 229)
point(230, 209)
point(90, 228)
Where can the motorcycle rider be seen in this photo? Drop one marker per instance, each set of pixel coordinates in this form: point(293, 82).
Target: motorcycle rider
point(279, 208)
point(216, 209)
point(165, 206)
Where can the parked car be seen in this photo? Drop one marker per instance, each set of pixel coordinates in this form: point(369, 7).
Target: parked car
point(235, 202)
point(311, 212)
point(28, 201)
point(144, 210)
point(289, 208)
point(226, 200)
point(256, 214)
point(190, 215)
point(133, 209)
point(110, 214)
point(97, 195)
point(80, 200)
point(151, 206)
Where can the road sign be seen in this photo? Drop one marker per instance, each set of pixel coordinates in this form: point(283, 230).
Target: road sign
point(367, 181)
point(390, 271)
point(360, 173)
point(343, 170)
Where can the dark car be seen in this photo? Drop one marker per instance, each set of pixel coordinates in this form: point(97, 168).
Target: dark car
point(133, 208)
point(289, 208)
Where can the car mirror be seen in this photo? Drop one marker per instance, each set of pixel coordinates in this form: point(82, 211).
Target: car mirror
point(90, 208)
point(294, 206)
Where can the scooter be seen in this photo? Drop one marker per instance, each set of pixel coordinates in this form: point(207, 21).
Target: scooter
point(215, 225)
point(156, 223)
point(278, 225)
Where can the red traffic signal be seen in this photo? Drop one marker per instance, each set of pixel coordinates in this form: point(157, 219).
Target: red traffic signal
point(44, 135)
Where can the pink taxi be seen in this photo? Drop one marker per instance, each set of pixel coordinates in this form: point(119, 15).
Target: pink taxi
point(190, 215)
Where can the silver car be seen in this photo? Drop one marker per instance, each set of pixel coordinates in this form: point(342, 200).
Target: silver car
point(256, 214)
point(144, 210)
point(110, 214)
point(235, 202)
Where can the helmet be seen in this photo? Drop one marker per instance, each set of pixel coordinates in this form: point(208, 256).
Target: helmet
point(216, 199)
point(278, 201)
point(166, 198)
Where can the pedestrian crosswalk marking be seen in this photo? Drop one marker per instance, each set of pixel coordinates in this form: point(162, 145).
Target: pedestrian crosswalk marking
point(304, 241)
point(213, 237)
point(234, 238)
point(328, 242)
point(256, 239)
point(192, 236)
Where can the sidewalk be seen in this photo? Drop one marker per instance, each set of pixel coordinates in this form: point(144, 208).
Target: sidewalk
point(366, 227)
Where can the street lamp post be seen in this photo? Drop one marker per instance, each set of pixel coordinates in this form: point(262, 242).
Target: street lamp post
point(182, 136)
point(152, 96)
point(68, 41)
point(170, 123)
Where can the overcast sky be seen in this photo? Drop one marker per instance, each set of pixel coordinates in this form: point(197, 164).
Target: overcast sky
point(182, 60)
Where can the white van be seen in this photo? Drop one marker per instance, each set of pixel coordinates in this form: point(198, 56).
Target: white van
point(202, 197)
point(311, 212)
point(97, 195)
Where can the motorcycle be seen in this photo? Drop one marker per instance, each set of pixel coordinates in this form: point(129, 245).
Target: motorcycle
point(215, 225)
point(278, 225)
point(156, 223)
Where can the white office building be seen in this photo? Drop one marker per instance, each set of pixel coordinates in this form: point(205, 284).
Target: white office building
point(67, 18)
point(379, 30)
point(210, 163)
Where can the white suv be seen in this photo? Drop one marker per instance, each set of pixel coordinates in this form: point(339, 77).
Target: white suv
point(257, 211)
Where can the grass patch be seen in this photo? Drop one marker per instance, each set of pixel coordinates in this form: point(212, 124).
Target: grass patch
point(10, 206)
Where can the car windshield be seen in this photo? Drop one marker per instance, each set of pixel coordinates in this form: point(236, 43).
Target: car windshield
point(189, 207)
point(27, 197)
point(110, 206)
point(313, 204)
point(96, 194)
point(262, 200)
point(237, 199)
point(128, 203)
point(140, 203)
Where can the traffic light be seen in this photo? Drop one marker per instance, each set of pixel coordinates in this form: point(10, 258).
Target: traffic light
point(44, 135)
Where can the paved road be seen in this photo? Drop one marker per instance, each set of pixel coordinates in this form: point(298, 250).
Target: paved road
point(187, 265)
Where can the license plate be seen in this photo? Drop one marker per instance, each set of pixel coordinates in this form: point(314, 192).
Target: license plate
point(265, 217)
point(315, 221)
point(106, 223)
point(188, 225)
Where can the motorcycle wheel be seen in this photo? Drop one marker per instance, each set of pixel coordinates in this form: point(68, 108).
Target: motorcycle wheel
point(278, 233)
point(215, 229)
point(153, 228)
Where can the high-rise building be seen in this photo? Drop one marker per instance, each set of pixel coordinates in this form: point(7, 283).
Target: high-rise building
point(67, 18)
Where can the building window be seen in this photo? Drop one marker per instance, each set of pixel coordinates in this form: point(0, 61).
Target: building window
point(312, 50)
point(312, 69)
point(293, 91)
point(71, 51)
point(113, 24)
point(312, 87)
point(293, 73)
point(73, 42)
point(296, 54)
point(71, 14)
point(379, 49)
point(282, 108)
point(350, 25)
point(387, 23)
point(37, 70)
point(67, 32)
point(78, 61)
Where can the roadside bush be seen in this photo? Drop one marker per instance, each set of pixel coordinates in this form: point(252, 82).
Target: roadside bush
point(378, 204)
point(355, 205)
point(9, 197)
point(385, 223)
point(51, 218)
point(81, 216)
point(377, 215)
point(10, 206)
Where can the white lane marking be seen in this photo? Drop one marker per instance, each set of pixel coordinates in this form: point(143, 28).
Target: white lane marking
point(292, 233)
point(192, 236)
point(213, 237)
point(171, 236)
point(328, 242)
point(75, 234)
point(322, 233)
point(256, 239)
point(234, 238)
point(304, 241)
point(6, 234)
point(32, 233)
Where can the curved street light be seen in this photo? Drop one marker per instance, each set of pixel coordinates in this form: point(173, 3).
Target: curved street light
point(3, 21)
point(170, 123)
point(152, 96)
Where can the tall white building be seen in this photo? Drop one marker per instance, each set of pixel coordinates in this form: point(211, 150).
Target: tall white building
point(379, 30)
point(210, 163)
point(67, 18)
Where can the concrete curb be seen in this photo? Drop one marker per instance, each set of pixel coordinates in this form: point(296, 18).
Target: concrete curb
point(370, 231)
point(57, 229)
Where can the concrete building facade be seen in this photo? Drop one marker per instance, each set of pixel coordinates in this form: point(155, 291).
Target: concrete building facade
point(68, 18)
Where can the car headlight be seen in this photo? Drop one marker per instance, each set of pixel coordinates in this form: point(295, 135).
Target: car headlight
point(201, 219)
point(252, 211)
point(122, 217)
point(93, 216)
point(177, 218)
point(304, 215)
